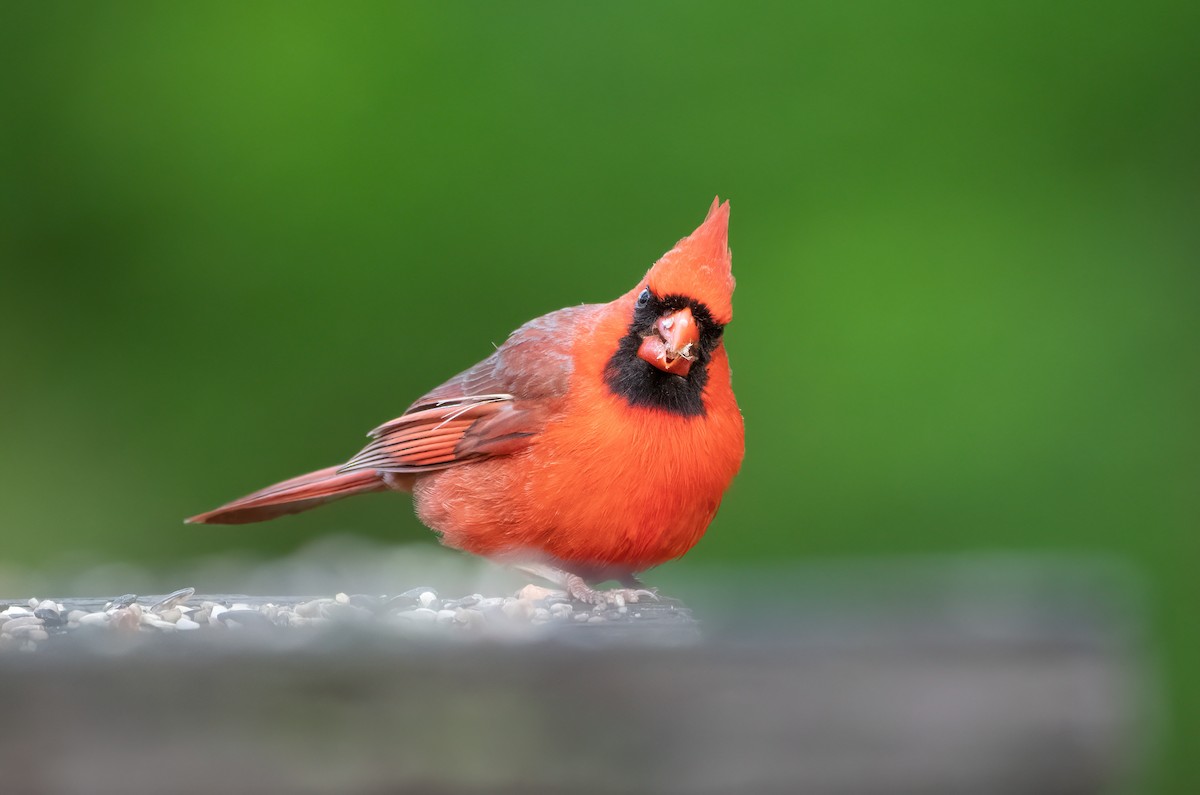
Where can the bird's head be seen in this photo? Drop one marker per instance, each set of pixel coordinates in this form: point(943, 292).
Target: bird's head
point(688, 289)
point(677, 315)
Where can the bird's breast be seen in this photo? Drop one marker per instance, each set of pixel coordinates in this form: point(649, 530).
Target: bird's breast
point(632, 487)
point(605, 486)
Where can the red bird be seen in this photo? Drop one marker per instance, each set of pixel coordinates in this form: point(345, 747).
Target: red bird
point(595, 443)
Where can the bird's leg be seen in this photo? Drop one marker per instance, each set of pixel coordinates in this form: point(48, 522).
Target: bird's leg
point(578, 589)
point(542, 572)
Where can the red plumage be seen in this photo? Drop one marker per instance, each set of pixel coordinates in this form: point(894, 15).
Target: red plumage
point(595, 443)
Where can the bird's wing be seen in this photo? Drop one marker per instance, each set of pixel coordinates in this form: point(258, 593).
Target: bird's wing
point(495, 408)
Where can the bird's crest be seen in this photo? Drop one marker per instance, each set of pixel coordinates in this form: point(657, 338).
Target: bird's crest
point(699, 266)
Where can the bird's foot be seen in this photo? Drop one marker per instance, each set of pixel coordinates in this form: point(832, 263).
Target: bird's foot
point(580, 591)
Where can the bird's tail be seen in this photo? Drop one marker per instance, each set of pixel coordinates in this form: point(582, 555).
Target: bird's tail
point(293, 496)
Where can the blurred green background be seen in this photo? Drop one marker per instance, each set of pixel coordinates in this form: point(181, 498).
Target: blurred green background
point(967, 239)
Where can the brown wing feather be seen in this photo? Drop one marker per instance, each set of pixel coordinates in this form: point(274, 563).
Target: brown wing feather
point(496, 407)
point(292, 496)
point(426, 438)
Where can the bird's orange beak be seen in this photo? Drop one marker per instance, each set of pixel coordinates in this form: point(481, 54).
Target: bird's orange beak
point(672, 348)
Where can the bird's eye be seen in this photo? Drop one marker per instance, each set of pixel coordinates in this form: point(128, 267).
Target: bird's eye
point(644, 298)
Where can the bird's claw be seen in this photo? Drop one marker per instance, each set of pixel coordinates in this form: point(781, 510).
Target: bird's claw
point(580, 591)
point(634, 594)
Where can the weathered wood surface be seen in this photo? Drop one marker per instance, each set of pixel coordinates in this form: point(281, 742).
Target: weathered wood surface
point(1039, 691)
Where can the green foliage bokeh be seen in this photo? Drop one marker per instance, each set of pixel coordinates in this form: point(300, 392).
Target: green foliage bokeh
point(234, 238)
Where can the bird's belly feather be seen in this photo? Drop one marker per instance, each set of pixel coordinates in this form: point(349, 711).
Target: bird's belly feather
point(615, 490)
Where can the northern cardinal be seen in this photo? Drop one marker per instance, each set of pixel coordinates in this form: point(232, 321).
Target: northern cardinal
point(595, 443)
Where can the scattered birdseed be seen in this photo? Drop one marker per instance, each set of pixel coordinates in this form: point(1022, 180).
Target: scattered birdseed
point(27, 625)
